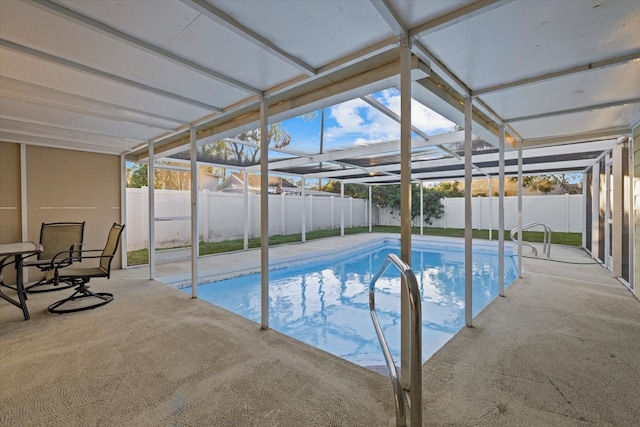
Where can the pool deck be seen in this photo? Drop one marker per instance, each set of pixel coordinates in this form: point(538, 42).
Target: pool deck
point(561, 349)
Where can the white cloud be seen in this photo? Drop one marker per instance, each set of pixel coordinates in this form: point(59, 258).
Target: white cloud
point(422, 117)
point(358, 120)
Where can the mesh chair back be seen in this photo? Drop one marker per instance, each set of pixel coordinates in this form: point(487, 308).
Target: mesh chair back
point(56, 237)
point(110, 248)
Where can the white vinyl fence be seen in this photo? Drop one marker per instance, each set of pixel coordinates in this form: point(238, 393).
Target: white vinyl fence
point(563, 213)
point(221, 216)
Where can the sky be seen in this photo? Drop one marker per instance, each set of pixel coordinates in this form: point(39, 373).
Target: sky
point(355, 123)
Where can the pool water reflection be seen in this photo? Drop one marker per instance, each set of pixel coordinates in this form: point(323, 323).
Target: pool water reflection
point(326, 304)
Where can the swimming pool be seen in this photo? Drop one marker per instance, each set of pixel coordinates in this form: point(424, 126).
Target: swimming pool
point(326, 304)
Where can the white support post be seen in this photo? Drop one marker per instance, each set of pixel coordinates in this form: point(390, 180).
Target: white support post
point(595, 211)
point(479, 198)
point(304, 211)
point(421, 208)
point(405, 205)
point(24, 206)
point(370, 207)
point(246, 210)
point(123, 210)
point(332, 213)
point(567, 212)
point(490, 210)
point(195, 238)
point(264, 212)
point(468, 215)
point(633, 212)
point(585, 210)
point(350, 211)
point(446, 209)
point(520, 270)
point(283, 200)
point(152, 212)
point(145, 214)
point(342, 208)
point(204, 210)
point(310, 212)
point(501, 211)
point(617, 210)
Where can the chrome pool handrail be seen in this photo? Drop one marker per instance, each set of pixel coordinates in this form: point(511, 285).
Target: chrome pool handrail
point(415, 373)
point(546, 240)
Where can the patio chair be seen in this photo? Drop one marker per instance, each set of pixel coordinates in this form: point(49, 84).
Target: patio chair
point(80, 276)
point(56, 238)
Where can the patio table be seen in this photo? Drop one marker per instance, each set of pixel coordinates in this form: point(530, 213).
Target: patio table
point(19, 251)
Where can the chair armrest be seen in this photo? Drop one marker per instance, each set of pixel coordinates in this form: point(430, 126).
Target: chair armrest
point(59, 260)
point(75, 252)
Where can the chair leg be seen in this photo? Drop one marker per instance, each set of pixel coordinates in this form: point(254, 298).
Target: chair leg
point(82, 291)
point(63, 284)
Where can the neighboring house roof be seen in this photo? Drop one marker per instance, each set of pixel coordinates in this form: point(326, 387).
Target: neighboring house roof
point(234, 183)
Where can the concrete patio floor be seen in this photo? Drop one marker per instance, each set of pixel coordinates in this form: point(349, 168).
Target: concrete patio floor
point(561, 349)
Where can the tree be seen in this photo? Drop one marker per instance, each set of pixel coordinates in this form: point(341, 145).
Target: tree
point(357, 191)
point(137, 175)
point(556, 184)
point(389, 196)
point(249, 154)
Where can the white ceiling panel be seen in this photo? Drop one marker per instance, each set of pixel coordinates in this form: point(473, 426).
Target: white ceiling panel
point(51, 34)
point(585, 89)
point(67, 143)
point(317, 32)
point(528, 38)
point(575, 123)
point(184, 31)
point(25, 111)
point(40, 95)
point(32, 70)
point(161, 24)
point(222, 50)
point(63, 135)
point(414, 13)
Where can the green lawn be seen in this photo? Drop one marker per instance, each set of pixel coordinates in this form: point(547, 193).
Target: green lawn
point(206, 248)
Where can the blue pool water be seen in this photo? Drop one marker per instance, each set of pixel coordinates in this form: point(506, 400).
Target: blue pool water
point(326, 304)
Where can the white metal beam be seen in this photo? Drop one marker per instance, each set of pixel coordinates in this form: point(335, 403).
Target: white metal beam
point(349, 84)
point(368, 150)
point(437, 98)
point(389, 113)
point(391, 17)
